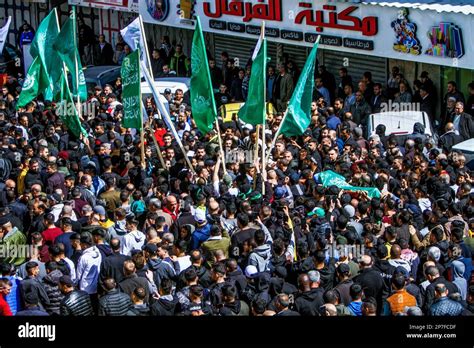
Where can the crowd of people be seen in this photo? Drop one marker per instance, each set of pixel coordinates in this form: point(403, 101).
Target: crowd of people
point(106, 232)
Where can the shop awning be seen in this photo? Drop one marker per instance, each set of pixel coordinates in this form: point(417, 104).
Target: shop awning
point(456, 6)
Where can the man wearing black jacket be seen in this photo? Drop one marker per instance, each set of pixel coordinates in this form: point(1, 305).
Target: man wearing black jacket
point(371, 281)
point(114, 302)
point(112, 265)
point(308, 300)
point(75, 302)
point(434, 277)
point(31, 284)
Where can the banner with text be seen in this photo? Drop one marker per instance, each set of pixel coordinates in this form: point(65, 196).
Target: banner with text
point(399, 33)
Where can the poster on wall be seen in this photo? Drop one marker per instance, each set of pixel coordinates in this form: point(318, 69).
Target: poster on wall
point(405, 32)
point(357, 28)
point(116, 5)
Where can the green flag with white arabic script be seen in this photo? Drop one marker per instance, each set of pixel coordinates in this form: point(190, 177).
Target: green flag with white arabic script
point(298, 115)
point(36, 82)
point(67, 110)
point(66, 47)
point(254, 109)
point(131, 94)
point(42, 47)
point(202, 96)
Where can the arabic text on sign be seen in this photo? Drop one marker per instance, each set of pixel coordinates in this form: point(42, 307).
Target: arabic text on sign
point(367, 26)
point(238, 8)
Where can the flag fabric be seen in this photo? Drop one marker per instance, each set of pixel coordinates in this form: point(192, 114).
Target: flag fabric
point(330, 178)
point(298, 115)
point(202, 96)
point(66, 47)
point(67, 110)
point(4, 33)
point(42, 47)
point(132, 35)
point(36, 82)
point(131, 95)
point(254, 109)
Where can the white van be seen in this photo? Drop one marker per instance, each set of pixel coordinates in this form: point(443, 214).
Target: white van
point(467, 149)
point(400, 123)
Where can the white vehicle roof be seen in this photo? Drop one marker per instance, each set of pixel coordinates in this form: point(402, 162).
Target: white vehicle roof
point(400, 122)
point(162, 85)
point(465, 147)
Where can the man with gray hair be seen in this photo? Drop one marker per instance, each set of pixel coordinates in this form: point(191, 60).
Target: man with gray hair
point(434, 277)
point(154, 206)
point(463, 122)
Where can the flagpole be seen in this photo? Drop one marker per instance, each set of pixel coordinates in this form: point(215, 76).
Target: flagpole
point(277, 134)
point(256, 154)
point(158, 150)
point(264, 106)
point(169, 123)
point(221, 147)
point(142, 129)
point(145, 42)
point(79, 108)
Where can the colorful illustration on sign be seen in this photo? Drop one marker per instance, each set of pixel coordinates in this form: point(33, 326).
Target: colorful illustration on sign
point(405, 33)
point(186, 9)
point(158, 9)
point(446, 41)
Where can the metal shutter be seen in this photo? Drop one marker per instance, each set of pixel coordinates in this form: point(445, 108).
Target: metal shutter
point(357, 65)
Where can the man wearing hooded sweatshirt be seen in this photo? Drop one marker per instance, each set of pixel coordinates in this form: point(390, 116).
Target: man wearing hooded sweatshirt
point(167, 304)
point(308, 300)
point(232, 306)
point(260, 256)
point(160, 268)
point(203, 229)
point(88, 268)
point(134, 239)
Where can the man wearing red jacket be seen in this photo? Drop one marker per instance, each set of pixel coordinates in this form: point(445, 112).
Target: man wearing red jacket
point(5, 288)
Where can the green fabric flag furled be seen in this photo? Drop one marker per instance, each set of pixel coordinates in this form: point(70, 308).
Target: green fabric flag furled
point(42, 47)
point(131, 94)
point(36, 82)
point(66, 47)
point(202, 96)
point(330, 178)
point(67, 110)
point(254, 111)
point(298, 115)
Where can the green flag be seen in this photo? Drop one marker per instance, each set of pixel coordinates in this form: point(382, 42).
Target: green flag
point(66, 47)
point(298, 115)
point(330, 178)
point(202, 96)
point(67, 111)
point(36, 82)
point(42, 47)
point(131, 94)
point(254, 109)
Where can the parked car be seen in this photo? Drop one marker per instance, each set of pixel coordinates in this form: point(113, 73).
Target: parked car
point(400, 123)
point(10, 60)
point(101, 75)
point(467, 149)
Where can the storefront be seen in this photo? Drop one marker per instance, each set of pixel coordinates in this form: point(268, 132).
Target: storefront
point(360, 36)
point(107, 16)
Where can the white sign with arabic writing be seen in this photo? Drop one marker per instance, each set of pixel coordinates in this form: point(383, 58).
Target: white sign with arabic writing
point(356, 28)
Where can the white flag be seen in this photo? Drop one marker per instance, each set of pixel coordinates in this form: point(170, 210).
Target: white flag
point(4, 34)
point(133, 36)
